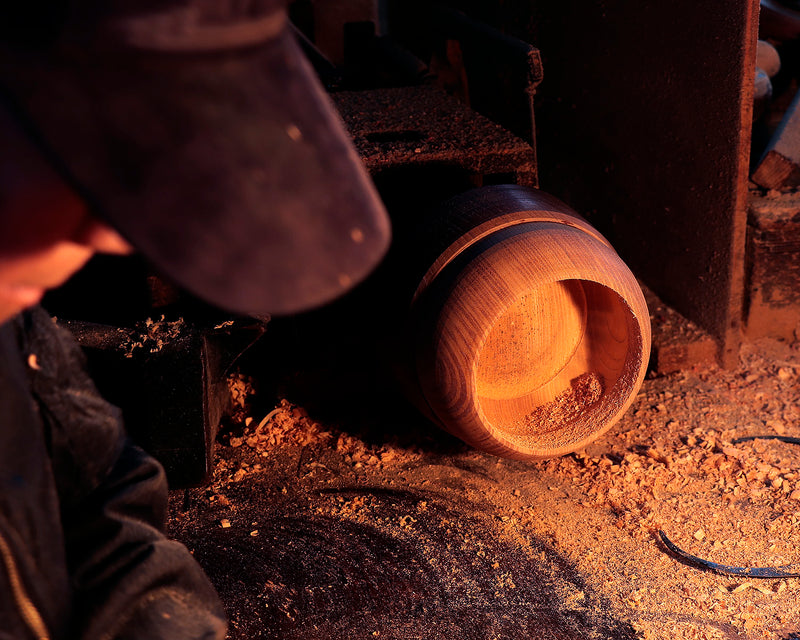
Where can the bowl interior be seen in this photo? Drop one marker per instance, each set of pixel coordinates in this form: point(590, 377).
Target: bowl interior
point(557, 363)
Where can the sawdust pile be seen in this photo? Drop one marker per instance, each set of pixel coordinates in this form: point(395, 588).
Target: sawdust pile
point(566, 407)
point(675, 462)
point(289, 425)
point(285, 425)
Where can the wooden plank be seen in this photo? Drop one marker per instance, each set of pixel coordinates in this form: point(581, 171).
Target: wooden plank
point(678, 344)
point(779, 167)
point(774, 269)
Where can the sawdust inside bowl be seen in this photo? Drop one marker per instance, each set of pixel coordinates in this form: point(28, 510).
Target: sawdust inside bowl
point(531, 337)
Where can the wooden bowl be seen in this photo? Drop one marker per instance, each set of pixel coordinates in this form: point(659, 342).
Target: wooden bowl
point(530, 335)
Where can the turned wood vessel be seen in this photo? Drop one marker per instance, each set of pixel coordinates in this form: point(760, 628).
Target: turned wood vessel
point(530, 336)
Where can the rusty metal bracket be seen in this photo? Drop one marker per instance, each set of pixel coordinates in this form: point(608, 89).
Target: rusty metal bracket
point(503, 71)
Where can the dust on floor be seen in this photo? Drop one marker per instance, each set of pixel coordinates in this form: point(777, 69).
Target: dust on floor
point(380, 526)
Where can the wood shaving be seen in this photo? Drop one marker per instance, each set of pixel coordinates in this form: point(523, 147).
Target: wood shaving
point(672, 463)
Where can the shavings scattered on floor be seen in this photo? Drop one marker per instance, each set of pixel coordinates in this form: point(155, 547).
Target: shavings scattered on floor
point(401, 532)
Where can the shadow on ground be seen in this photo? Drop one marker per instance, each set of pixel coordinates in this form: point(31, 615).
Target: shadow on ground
point(357, 562)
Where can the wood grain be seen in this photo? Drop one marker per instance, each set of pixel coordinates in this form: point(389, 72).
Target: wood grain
point(779, 168)
point(531, 335)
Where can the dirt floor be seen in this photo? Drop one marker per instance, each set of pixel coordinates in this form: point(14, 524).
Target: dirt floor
point(335, 511)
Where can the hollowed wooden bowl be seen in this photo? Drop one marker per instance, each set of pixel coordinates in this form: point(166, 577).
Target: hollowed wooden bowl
point(530, 335)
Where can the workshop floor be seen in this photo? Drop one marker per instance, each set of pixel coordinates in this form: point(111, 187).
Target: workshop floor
point(338, 513)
